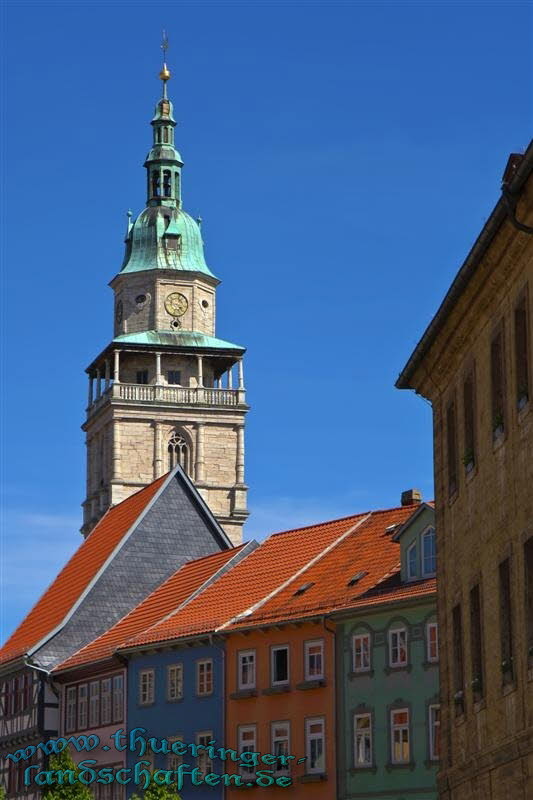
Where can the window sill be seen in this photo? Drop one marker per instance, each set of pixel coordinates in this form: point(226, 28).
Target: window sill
point(146, 705)
point(431, 763)
point(371, 769)
point(174, 700)
point(243, 693)
point(277, 689)
point(315, 683)
point(203, 696)
point(362, 673)
point(402, 668)
point(391, 766)
point(430, 664)
point(313, 777)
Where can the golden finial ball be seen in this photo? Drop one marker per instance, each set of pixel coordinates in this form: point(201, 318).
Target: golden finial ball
point(165, 73)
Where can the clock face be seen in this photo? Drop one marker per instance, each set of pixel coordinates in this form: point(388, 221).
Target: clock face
point(176, 304)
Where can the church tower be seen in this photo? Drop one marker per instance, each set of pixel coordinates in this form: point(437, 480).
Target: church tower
point(166, 390)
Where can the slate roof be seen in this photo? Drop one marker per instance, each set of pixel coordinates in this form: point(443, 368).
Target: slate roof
point(76, 576)
point(256, 577)
point(172, 594)
point(325, 587)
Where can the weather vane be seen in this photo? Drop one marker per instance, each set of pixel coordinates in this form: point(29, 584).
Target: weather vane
point(165, 72)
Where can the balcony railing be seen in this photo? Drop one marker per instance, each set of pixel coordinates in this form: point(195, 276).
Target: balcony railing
point(169, 395)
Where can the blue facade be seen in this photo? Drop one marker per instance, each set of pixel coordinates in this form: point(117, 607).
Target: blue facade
point(193, 715)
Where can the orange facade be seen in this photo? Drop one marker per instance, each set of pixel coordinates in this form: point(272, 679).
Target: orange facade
point(284, 700)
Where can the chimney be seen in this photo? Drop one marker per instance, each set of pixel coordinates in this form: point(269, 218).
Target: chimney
point(411, 497)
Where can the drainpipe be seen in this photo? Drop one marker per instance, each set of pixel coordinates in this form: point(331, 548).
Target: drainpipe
point(335, 693)
point(223, 694)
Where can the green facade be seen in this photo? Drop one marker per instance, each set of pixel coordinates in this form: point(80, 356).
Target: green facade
point(378, 689)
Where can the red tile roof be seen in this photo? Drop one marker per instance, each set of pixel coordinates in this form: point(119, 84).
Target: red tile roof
point(254, 578)
point(161, 602)
point(51, 609)
point(370, 549)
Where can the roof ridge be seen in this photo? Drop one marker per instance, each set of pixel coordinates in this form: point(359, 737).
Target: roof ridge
point(320, 524)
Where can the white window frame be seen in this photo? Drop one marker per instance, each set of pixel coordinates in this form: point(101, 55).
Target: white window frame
point(311, 737)
point(71, 708)
point(393, 633)
point(203, 762)
point(146, 687)
point(241, 655)
point(243, 730)
point(399, 727)
point(307, 659)
point(204, 682)
point(117, 707)
point(280, 769)
point(173, 759)
point(106, 694)
point(274, 650)
point(94, 704)
point(83, 706)
point(360, 638)
point(410, 575)
point(175, 682)
point(429, 531)
point(432, 659)
point(433, 725)
point(362, 734)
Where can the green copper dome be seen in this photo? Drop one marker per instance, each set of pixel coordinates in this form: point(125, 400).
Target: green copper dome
point(163, 237)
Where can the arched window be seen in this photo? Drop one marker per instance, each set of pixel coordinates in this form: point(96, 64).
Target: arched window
point(178, 451)
point(167, 185)
point(155, 184)
point(177, 183)
point(429, 560)
point(165, 135)
point(158, 132)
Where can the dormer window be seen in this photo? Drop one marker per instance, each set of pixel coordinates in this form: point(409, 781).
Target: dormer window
point(412, 558)
point(429, 560)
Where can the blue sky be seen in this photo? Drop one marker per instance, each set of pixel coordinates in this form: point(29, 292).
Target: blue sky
point(343, 156)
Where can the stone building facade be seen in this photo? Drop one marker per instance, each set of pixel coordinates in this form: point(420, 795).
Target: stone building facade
point(166, 390)
point(474, 363)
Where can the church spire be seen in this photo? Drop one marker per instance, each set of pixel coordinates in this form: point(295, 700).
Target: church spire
point(163, 162)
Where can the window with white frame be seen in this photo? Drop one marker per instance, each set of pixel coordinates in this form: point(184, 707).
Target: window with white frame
point(280, 744)
point(398, 647)
point(204, 677)
point(434, 732)
point(361, 652)
point(280, 665)
point(174, 759)
point(174, 681)
point(412, 559)
point(70, 715)
point(82, 706)
point(118, 698)
point(146, 687)
point(105, 702)
point(246, 744)
point(246, 669)
point(94, 704)
point(432, 638)
point(429, 555)
point(400, 753)
point(314, 660)
point(315, 749)
point(363, 740)
point(204, 763)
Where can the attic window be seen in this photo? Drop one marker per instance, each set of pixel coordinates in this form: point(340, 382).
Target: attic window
point(357, 577)
point(303, 588)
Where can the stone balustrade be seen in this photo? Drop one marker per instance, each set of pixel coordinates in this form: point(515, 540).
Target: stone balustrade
point(160, 394)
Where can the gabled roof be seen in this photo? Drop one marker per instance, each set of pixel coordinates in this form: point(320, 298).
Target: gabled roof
point(51, 611)
point(369, 554)
point(174, 593)
point(253, 580)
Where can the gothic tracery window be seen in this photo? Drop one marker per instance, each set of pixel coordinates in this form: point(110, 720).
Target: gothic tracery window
point(178, 451)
